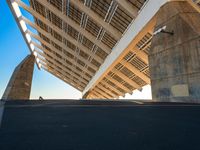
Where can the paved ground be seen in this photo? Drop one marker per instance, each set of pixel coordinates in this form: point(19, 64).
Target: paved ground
point(81, 125)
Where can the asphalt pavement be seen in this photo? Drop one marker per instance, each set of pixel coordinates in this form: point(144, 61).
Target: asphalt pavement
point(99, 125)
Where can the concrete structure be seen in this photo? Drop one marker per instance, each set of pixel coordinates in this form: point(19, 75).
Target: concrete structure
point(19, 86)
point(100, 48)
point(174, 59)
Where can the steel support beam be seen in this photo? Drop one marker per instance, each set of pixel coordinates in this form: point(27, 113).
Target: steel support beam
point(69, 38)
point(62, 78)
point(105, 90)
point(102, 93)
point(107, 85)
point(108, 93)
point(55, 50)
point(116, 34)
point(61, 61)
point(136, 71)
point(60, 53)
point(141, 54)
point(133, 12)
point(100, 96)
point(144, 23)
point(125, 78)
point(65, 19)
point(64, 69)
point(119, 84)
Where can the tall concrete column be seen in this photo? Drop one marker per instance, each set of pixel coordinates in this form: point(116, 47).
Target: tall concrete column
point(19, 86)
point(175, 59)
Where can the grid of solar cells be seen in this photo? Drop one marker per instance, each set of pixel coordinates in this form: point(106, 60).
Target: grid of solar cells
point(77, 64)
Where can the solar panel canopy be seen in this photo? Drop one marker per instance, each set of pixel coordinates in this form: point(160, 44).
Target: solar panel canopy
point(73, 39)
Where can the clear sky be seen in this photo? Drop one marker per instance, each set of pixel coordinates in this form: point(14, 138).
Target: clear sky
point(13, 49)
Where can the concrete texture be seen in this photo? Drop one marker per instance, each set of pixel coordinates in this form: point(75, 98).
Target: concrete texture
point(99, 125)
point(19, 86)
point(174, 59)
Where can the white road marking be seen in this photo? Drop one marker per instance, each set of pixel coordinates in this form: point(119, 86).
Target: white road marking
point(138, 102)
point(1, 111)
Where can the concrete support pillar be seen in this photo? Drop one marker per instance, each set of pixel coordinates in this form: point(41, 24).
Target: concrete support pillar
point(19, 86)
point(174, 60)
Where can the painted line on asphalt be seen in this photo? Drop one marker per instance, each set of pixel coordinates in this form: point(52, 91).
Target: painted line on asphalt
point(138, 102)
point(1, 111)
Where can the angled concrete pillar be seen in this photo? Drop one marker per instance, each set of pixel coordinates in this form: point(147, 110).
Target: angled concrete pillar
point(175, 58)
point(19, 86)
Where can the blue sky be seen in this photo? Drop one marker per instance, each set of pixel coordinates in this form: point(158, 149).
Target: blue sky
point(13, 49)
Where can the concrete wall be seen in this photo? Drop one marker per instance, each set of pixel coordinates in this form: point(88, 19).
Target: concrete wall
point(175, 59)
point(19, 86)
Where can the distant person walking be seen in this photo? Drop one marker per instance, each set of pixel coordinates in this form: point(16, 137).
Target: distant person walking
point(40, 98)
